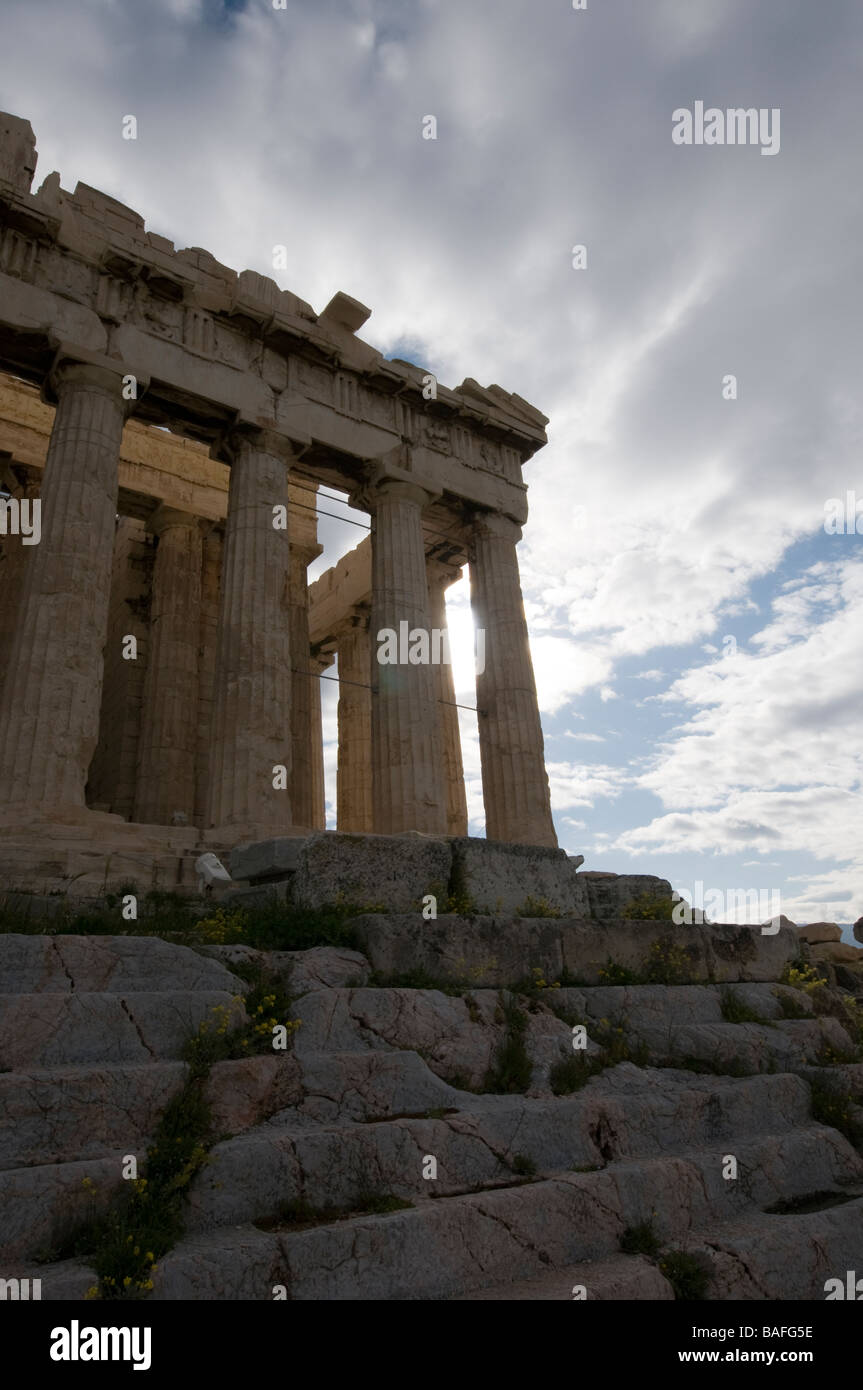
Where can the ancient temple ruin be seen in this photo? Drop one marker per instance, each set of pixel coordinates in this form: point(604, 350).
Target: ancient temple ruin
point(160, 647)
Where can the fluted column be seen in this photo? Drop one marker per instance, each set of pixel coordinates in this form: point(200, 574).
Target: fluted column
point(319, 663)
point(49, 723)
point(167, 744)
point(514, 779)
point(252, 688)
point(354, 776)
point(302, 702)
point(208, 637)
point(406, 780)
point(440, 577)
point(113, 774)
point(13, 561)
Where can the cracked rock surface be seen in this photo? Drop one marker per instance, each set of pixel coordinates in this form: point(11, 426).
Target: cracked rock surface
point(441, 1143)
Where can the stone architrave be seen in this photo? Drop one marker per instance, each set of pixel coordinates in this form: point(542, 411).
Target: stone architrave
point(440, 577)
point(251, 740)
point(168, 738)
point(514, 779)
point(407, 788)
point(354, 776)
point(49, 725)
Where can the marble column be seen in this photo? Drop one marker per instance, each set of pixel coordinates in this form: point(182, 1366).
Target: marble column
point(302, 698)
point(354, 778)
point(167, 744)
point(406, 774)
point(440, 577)
point(13, 561)
point(514, 779)
point(49, 723)
point(208, 635)
point(252, 690)
point(113, 774)
point(319, 663)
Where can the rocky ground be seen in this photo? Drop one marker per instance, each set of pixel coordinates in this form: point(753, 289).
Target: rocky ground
point(485, 1108)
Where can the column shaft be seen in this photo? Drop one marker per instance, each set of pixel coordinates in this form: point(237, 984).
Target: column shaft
point(208, 636)
point(252, 692)
point(114, 770)
point(514, 779)
point(354, 778)
point(167, 746)
point(303, 773)
point(448, 728)
point(13, 561)
point(406, 781)
point(49, 725)
point(319, 664)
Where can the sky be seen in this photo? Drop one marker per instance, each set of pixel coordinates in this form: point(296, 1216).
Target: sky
point(696, 629)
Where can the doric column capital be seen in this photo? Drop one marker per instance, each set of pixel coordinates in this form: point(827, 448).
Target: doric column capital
point(442, 574)
point(384, 487)
point(262, 438)
point(391, 476)
point(321, 658)
point(305, 554)
point(78, 366)
point(496, 524)
point(164, 518)
point(358, 615)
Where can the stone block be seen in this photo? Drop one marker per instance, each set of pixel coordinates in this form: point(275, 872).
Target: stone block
point(255, 895)
point(365, 870)
point(816, 932)
point(495, 952)
point(836, 952)
point(119, 964)
point(608, 894)
point(499, 877)
point(264, 860)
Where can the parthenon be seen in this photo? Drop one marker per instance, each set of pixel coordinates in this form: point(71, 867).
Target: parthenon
point(161, 648)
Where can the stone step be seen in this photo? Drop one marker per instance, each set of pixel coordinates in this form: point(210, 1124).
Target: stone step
point(253, 1180)
point(40, 1205)
point(766, 1257)
point(786, 1257)
point(490, 1139)
point(459, 1036)
point(785, 1045)
point(494, 952)
point(621, 1278)
point(59, 1281)
point(650, 1010)
point(65, 1114)
point(445, 1247)
point(72, 1113)
point(51, 1030)
point(120, 964)
point(345, 1087)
